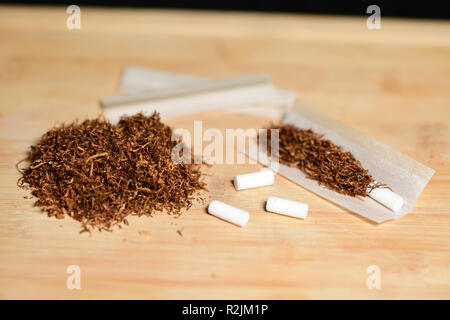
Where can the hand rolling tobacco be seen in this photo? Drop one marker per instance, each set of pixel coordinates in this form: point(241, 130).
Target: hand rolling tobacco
point(330, 165)
point(98, 173)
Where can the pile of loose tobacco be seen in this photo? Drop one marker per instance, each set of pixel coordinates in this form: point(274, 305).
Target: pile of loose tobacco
point(98, 173)
point(323, 161)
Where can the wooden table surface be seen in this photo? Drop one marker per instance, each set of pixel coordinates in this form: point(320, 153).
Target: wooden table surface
point(392, 84)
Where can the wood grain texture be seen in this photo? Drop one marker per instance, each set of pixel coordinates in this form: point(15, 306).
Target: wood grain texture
point(391, 84)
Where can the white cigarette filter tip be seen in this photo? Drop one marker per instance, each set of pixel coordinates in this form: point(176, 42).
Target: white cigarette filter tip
point(229, 213)
point(254, 180)
point(388, 198)
point(287, 207)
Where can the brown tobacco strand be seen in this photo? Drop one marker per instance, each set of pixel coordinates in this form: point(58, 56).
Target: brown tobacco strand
point(98, 173)
point(323, 161)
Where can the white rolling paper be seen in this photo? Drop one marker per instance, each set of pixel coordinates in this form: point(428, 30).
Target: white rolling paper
point(402, 174)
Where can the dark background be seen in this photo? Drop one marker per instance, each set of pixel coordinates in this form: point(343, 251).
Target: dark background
point(407, 9)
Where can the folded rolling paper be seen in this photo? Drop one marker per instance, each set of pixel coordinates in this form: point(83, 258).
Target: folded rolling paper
point(404, 175)
point(191, 95)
